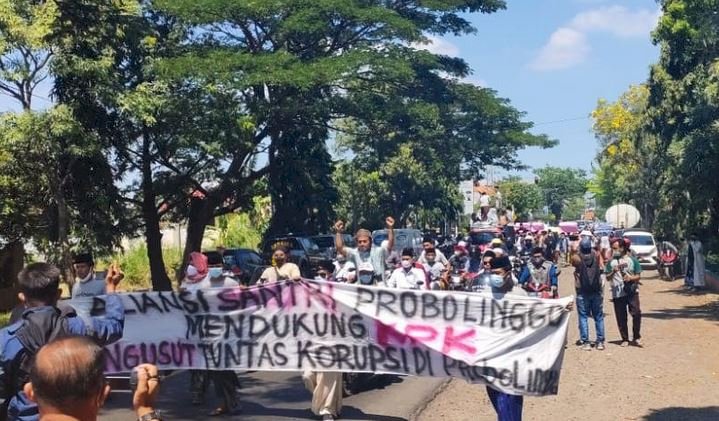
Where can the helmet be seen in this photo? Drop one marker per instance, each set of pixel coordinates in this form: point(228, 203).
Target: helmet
point(585, 246)
point(627, 243)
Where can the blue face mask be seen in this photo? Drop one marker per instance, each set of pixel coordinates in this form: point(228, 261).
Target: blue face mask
point(215, 272)
point(496, 281)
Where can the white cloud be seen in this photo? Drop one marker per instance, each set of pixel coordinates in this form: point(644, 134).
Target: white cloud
point(617, 20)
point(568, 46)
point(436, 45)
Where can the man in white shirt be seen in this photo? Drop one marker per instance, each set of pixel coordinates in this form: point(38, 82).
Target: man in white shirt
point(408, 276)
point(369, 260)
point(484, 204)
point(427, 244)
point(87, 283)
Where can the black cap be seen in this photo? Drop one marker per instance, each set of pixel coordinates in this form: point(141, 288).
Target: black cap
point(326, 265)
point(214, 258)
point(408, 252)
point(501, 262)
point(83, 258)
point(537, 250)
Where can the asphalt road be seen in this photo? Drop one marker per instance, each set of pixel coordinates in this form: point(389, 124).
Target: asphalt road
point(282, 396)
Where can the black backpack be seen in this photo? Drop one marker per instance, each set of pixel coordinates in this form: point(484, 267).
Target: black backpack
point(590, 277)
point(37, 329)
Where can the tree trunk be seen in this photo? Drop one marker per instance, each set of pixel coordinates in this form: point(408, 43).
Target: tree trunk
point(63, 230)
point(153, 238)
point(201, 212)
point(153, 235)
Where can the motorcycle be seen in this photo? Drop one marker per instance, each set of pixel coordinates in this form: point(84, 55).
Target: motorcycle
point(519, 263)
point(539, 290)
point(457, 280)
point(480, 282)
point(667, 265)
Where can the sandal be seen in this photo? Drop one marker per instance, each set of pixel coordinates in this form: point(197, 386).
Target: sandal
point(222, 411)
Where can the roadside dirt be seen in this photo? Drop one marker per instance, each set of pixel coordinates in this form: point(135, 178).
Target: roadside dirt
point(674, 377)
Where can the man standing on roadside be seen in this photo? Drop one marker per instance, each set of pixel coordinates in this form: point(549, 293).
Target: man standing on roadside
point(624, 272)
point(369, 260)
point(590, 298)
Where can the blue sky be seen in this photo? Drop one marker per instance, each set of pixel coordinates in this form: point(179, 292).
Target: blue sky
point(554, 59)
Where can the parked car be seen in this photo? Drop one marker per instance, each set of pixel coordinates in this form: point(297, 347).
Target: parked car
point(326, 243)
point(304, 252)
point(403, 238)
point(644, 246)
point(246, 264)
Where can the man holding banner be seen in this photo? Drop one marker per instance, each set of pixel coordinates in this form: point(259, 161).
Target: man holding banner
point(508, 406)
point(512, 343)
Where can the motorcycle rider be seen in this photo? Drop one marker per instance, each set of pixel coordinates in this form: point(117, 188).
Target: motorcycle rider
point(540, 271)
point(408, 276)
point(325, 272)
point(369, 260)
point(427, 244)
point(460, 259)
point(527, 244)
point(345, 271)
point(433, 267)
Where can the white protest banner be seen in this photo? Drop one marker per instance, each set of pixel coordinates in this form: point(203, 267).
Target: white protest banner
point(514, 343)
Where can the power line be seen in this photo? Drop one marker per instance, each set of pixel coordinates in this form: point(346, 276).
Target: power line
point(586, 117)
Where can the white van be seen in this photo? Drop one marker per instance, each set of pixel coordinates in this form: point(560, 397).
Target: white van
point(644, 246)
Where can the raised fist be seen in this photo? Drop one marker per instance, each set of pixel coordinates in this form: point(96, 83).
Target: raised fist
point(339, 226)
point(114, 276)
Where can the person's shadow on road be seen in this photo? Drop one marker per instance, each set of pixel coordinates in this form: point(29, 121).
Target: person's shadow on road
point(348, 413)
point(709, 413)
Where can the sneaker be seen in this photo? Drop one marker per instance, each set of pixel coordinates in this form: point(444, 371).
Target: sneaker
point(638, 343)
point(587, 346)
point(624, 344)
point(600, 346)
point(328, 417)
point(579, 342)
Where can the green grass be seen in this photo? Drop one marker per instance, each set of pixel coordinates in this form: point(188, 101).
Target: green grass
point(136, 266)
point(4, 319)
point(713, 262)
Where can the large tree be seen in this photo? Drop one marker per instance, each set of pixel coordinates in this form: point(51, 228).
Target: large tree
point(684, 113)
point(525, 198)
point(559, 186)
point(57, 188)
point(631, 160)
point(293, 65)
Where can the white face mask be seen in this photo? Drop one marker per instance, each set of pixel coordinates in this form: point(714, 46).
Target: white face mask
point(191, 271)
point(88, 277)
point(406, 264)
point(215, 272)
